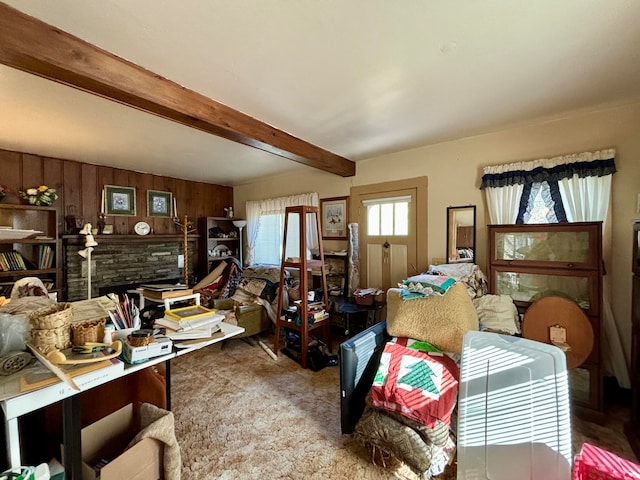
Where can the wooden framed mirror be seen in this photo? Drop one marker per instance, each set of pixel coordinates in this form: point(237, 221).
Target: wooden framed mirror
point(461, 234)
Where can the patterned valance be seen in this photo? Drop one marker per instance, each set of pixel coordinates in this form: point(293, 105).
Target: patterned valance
point(587, 164)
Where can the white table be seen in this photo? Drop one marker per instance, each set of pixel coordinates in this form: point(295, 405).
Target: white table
point(15, 404)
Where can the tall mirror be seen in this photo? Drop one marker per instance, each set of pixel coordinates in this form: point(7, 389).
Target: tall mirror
point(461, 234)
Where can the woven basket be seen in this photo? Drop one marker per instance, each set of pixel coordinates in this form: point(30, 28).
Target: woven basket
point(51, 327)
point(49, 339)
point(84, 332)
point(52, 316)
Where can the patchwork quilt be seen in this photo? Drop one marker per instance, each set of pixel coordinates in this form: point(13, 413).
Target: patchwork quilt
point(416, 380)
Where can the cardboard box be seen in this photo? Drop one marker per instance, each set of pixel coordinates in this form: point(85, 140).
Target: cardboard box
point(161, 346)
point(107, 438)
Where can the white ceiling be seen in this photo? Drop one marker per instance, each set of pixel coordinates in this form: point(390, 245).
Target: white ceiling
point(359, 78)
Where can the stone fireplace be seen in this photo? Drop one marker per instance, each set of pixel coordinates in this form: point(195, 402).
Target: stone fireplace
point(123, 260)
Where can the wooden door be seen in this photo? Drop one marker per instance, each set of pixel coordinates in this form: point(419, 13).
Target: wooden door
point(389, 231)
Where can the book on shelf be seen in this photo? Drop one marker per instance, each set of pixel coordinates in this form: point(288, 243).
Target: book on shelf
point(12, 261)
point(45, 257)
point(191, 323)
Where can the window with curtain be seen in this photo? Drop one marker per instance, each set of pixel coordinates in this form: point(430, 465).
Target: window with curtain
point(541, 203)
point(579, 191)
point(265, 229)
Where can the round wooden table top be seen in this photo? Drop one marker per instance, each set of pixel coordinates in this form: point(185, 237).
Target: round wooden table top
point(551, 311)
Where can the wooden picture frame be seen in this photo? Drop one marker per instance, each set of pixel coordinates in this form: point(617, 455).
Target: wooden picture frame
point(159, 204)
point(120, 200)
point(334, 217)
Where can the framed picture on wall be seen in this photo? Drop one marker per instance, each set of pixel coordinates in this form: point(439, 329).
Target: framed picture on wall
point(120, 200)
point(334, 215)
point(159, 204)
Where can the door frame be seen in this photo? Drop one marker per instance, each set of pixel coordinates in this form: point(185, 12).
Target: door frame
point(420, 184)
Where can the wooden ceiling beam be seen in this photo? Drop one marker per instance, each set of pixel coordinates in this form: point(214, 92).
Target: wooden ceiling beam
point(33, 46)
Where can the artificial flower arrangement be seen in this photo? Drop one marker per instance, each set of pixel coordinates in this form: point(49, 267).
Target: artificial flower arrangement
point(42, 195)
point(3, 191)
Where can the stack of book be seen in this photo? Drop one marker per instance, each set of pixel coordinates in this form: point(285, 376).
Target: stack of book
point(315, 312)
point(190, 323)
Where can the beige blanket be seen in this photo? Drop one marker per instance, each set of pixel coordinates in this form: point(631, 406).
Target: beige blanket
point(441, 320)
point(158, 424)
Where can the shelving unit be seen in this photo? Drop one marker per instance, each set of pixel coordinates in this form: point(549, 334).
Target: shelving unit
point(303, 266)
point(210, 243)
point(30, 250)
point(632, 427)
point(528, 262)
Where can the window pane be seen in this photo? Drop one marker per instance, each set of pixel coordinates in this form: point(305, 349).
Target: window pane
point(293, 237)
point(269, 239)
point(402, 218)
point(386, 219)
point(373, 220)
point(270, 235)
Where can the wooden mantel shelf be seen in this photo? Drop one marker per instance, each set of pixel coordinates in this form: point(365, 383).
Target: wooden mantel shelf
point(80, 239)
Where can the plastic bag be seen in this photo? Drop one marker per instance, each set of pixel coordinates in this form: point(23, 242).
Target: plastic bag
point(14, 333)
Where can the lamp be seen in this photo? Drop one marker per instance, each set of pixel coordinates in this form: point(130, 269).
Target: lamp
point(85, 252)
point(240, 224)
point(89, 243)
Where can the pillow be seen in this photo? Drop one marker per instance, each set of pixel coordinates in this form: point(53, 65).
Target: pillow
point(441, 320)
point(497, 313)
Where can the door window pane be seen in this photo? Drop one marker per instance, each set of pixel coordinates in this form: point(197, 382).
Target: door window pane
point(388, 218)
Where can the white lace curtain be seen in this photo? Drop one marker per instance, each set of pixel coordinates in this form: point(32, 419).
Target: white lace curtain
point(584, 182)
point(255, 209)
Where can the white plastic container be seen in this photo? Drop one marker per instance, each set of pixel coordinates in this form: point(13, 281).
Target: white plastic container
point(513, 410)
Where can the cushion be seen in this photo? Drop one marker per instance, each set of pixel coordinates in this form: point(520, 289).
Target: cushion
point(497, 313)
point(441, 320)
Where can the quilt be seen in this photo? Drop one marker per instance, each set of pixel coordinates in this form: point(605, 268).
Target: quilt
point(416, 380)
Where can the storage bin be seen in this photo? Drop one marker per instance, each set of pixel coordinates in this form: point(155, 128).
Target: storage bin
point(513, 409)
point(364, 296)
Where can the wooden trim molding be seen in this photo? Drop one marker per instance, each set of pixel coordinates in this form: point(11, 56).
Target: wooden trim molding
point(33, 46)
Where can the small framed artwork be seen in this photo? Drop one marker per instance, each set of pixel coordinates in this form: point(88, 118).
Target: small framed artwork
point(159, 204)
point(334, 217)
point(120, 200)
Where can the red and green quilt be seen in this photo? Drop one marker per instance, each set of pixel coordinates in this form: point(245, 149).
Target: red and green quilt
point(416, 380)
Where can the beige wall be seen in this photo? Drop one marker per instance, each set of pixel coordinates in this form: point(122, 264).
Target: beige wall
point(455, 168)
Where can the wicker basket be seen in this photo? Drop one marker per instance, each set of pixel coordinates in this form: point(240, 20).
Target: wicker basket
point(50, 327)
point(92, 331)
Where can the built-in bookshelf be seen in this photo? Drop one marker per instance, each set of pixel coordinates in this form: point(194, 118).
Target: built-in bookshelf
point(37, 255)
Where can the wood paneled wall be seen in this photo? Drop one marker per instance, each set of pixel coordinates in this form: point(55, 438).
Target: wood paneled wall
point(79, 186)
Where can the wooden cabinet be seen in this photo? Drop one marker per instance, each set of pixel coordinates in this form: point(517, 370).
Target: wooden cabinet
point(632, 428)
point(30, 257)
point(220, 241)
point(528, 262)
point(299, 321)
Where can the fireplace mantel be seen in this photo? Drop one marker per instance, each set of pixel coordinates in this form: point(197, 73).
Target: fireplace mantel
point(120, 239)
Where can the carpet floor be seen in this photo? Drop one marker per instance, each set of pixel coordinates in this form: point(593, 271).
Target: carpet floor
point(241, 415)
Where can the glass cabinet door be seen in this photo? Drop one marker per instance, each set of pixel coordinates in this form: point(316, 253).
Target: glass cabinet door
point(528, 286)
point(565, 248)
